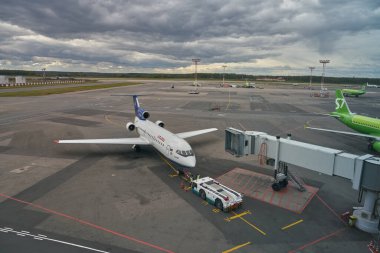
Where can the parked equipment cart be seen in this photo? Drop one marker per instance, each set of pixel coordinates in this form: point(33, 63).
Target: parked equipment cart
point(217, 194)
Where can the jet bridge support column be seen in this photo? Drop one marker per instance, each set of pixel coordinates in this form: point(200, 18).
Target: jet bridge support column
point(369, 178)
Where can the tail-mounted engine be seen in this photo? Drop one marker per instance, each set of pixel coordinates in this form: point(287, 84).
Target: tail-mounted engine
point(160, 123)
point(142, 114)
point(130, 126)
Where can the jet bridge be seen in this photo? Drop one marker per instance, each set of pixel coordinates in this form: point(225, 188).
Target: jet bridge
point(363, 171)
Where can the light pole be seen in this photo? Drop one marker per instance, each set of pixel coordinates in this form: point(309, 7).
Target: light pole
point(311, 76)
point(224, 71)
point(324, 62)
point(44, 74)
point(196, 77)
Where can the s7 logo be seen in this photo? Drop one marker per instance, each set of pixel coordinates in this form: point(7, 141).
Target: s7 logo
point(339, 102)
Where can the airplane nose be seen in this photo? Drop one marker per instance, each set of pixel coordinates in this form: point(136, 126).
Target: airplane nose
point(191, 162)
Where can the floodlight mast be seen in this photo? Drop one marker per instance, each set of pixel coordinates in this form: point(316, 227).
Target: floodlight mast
point(311, 76)
point(224, 71)
point(196, 77)
point(44, 74)
point(324, 62)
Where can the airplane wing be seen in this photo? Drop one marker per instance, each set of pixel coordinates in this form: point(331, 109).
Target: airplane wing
point(131, 141)
point(344, 132)
point(185, 135)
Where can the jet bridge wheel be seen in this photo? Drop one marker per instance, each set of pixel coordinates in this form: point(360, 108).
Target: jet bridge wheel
point(276, 187)
point(283, 183)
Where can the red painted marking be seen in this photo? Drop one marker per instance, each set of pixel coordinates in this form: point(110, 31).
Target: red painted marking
point(290, 200)
point(271, 197)
point(253, 184)
point(299, 206)
point(332, 210)
point(318, 240)
point(88, 223)
point(236, 178)
point(56, 141)
point(265, 194)
point(246, 184)
point(161, 138)
point(282, 194)
point(233, 178)
point(308, 201)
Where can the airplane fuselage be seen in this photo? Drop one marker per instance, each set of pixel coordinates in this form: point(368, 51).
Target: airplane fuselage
point(168, 144)
point(352, 92)
point(362, 124)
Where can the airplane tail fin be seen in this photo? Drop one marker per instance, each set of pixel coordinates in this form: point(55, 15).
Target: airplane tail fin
point(136, 104)
point(341, 104)
point(139, 111)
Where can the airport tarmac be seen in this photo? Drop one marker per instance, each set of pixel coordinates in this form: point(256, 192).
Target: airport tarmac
point(108, 198)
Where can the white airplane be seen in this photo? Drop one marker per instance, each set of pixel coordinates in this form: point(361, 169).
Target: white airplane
point(172, 146)
point(372, 85)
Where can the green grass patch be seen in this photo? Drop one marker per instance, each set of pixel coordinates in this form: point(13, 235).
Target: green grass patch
point(44, 92)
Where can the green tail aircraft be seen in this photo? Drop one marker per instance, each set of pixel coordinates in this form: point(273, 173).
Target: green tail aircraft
point(354, 92)
point(366, 126)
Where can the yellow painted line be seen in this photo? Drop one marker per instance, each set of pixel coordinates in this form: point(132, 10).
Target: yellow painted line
point(258, 229)
point(293, 224)
point(171, 166)
point(237, 247)
point(237, 216)
point(186, 179)
point(205, 203)
point(216, 210)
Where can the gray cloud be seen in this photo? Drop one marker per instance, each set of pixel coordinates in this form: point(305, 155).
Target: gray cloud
point(147, 35)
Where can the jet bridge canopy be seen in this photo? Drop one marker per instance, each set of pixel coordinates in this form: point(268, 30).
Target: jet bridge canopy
point(328, 161)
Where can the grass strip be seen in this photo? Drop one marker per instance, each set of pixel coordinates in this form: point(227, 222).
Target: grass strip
point(44, 92)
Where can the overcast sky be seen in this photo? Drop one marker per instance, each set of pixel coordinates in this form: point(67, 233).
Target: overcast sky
point(249, 36)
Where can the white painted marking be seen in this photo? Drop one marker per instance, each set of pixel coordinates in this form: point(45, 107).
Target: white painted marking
point(6, 230)
point(76, 245)
point(21, 170)
point(44, 237)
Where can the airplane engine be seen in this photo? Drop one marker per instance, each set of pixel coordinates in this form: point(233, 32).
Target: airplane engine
point(146, 114)
point(160, 123)
point(142, 113)
point(130, 126)
point(376, 146)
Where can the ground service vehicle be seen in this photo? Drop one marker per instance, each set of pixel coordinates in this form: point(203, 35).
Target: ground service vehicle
point(217, 194)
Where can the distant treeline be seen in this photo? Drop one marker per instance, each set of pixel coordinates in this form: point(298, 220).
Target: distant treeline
point(204, 76)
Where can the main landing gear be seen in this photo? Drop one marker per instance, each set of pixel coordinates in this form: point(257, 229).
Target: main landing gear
point(136, 148)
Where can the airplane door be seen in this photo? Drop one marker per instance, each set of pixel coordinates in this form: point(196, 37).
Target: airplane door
point(169, 150)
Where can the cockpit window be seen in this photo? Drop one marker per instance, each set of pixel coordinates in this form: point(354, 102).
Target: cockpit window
point(185, 153)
